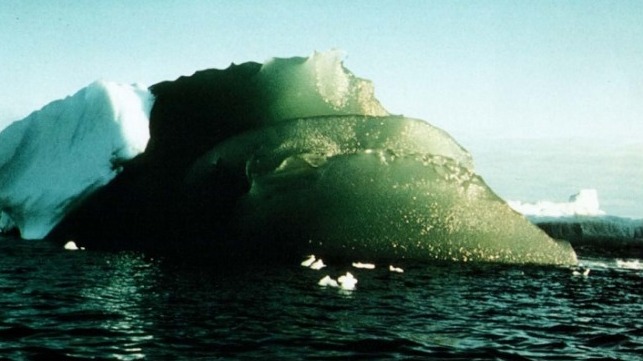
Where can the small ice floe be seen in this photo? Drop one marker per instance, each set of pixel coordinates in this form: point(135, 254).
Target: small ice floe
point(347, 281)
point(395, 269)
point(581, 271)
point(327, 281)
point(317, 265)
point(363, 265)
point(313, 263)
point(71, 246)
point(309, 261)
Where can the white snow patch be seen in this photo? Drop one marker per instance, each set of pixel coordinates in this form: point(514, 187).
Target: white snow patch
point(58, 155)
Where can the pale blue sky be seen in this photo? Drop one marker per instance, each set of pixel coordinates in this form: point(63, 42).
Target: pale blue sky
point(475, 68)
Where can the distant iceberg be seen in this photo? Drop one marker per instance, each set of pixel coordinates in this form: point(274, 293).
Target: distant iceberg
point(292, 157)
point(57, 156)
point(588, 228)
point(583, 203)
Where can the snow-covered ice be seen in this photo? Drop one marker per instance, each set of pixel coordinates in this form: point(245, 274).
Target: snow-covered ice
point(58, 155)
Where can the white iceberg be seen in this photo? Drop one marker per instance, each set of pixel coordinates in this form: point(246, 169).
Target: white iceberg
point(583, 203)
point(55, 157)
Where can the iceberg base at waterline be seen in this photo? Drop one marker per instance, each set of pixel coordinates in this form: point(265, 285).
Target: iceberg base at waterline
point(297, 157)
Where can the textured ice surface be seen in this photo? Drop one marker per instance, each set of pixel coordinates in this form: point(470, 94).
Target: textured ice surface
point(372, 187)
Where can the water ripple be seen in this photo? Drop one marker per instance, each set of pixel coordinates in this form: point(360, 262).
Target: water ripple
point(126, 306)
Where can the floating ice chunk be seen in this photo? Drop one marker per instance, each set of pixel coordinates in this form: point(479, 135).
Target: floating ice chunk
point(395, 269)
point(581, 272)
point(313, 263)
point(347, 281)
point(317, 265)
point(309, 261)
point(71, 246)
point(363, 265)
point(327, 281)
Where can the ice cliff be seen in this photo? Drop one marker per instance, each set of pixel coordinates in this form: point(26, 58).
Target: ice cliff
point(292, 157)
point(57, 156)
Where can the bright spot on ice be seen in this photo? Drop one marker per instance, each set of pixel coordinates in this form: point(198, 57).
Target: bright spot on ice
point(347, 281)
point(395, 269)
point(363, 265)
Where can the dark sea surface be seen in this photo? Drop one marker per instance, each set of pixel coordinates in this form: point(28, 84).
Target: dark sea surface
point(75, 305)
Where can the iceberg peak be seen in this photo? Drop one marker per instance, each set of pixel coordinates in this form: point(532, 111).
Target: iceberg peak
point(315, 86)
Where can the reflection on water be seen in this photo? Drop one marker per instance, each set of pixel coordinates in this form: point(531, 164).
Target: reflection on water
point(56, 304)
point(124, 283)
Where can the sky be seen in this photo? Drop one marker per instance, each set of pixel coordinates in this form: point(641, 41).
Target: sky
point(481, 70)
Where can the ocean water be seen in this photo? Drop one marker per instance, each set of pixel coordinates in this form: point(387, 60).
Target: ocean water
point(77, 305)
